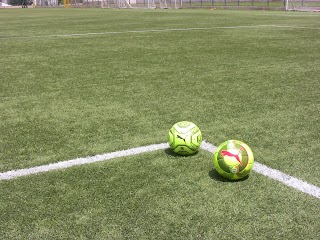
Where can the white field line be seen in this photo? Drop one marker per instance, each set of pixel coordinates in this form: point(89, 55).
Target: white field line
point(300, 14)
point(155, 30)
point(258, 167)
point(279, 176)
point(80, 161)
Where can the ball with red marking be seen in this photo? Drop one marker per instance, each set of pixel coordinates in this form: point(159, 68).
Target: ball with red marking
point(233, 159)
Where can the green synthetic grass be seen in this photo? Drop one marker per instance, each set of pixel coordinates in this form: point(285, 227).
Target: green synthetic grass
point(154, 196)
point(67, 96)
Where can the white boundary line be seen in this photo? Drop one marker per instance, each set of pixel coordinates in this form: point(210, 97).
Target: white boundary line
point(278, 176)
point(155, 30)
point(258, 167)
point(80, 161)
point(298, 14)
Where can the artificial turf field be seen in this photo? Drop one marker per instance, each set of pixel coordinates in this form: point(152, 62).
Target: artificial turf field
point(81, 82)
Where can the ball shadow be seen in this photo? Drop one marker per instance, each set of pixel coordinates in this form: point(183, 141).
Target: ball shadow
point(169, 152)
point(213, 174)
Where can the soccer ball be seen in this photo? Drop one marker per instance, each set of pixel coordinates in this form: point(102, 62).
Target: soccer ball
point(233, 159)
point(185, 138)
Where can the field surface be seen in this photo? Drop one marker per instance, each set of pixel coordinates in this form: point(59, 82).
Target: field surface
point(81, 82)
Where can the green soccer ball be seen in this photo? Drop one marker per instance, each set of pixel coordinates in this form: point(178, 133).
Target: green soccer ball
point(185, 138)
point(233, 159)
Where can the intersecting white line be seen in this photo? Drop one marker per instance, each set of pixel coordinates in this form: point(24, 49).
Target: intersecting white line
point(80, 161)
point(279, 176)
point(157, 30)
point(258, 167)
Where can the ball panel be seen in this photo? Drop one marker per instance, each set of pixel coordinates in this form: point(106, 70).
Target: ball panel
point(196, 137)
point(184, 127)
point(183, 150)
point(171, 138)
point(233, 159)
point(184, 138)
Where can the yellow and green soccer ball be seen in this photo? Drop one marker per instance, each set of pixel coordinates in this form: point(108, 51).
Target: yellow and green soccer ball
point(185, 138)
point(233, 159)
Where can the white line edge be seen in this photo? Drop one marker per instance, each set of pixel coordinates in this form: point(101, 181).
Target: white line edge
point(258, 167)
point(277, 175)
point(157, 30)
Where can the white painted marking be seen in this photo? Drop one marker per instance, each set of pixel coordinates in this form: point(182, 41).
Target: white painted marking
point(107, 33)
point(297, 14)
point(293, 27)
point(287, 180)
point(208, 146)
point(258, 167)
point(279, 176)
point(155, 30)
point(80, 161)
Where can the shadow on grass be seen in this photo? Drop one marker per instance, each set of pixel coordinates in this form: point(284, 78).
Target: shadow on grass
point(213, 174)
point(168, 151)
